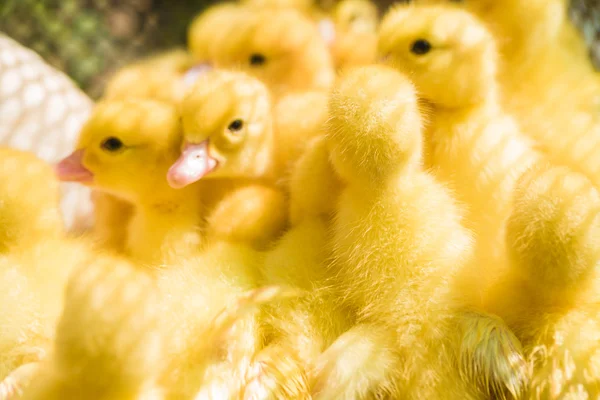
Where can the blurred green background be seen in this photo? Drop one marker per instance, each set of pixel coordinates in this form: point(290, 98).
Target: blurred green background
point(89, 39)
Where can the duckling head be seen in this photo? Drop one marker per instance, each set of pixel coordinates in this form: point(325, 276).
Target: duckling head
point(125, 148)
point(227, 125)
point(209, 29)
point(374, 126)
point(552, 234)
point(355, 16)
point(447, 52)
point(281, 47)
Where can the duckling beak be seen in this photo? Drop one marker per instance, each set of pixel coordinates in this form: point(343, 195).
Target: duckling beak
point(193, 164)
point(326, 29)
point(71, 169)
point(192, 74)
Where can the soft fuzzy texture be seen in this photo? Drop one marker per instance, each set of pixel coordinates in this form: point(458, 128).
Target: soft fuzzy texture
point(408, 302)
point(549, 296)
point(472, 145)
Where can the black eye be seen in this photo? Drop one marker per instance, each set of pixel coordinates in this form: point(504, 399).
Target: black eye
point(236, 125)
point(420, 47)
point(112, 144)
point(257, 59)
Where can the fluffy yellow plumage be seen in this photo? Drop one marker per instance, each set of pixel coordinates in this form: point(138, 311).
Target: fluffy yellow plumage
point(228, 139)
point(546, 76)
point(549, 294)
point(107, 343)
point(389, 204)
point(297, 330)
point(314, 185)
point(28, 201)
point(286, 240)
point(126, 149)
point(471, 143)
point(279, 46)
point(36, 261)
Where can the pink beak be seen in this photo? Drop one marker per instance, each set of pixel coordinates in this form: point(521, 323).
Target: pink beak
point(192, 74)
point(193, 164)
point(327, 30)
point(71, 169)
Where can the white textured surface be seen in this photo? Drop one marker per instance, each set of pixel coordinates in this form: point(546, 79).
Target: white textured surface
point(42, 111)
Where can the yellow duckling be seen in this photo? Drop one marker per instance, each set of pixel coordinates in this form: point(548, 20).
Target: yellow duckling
point(549, 296)
point(548, 81)
point(228, 139)
point(355, 40)
point(399, 256)
point(281, 47)
point(164, 77)
point(125, 149)
point(471, 144)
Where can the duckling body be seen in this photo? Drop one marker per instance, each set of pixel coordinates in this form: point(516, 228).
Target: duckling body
point(406, 284)
point(126, 149)
point(472, 145)
point(547, 79)
point(228, 124)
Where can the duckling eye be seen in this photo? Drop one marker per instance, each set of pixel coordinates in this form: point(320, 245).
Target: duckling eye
point(236, 125)
point(257, 59)
point(420, 47)
point(353, 18)
point(112, 144)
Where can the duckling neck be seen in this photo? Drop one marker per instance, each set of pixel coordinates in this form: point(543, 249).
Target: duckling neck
point(166, 228)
